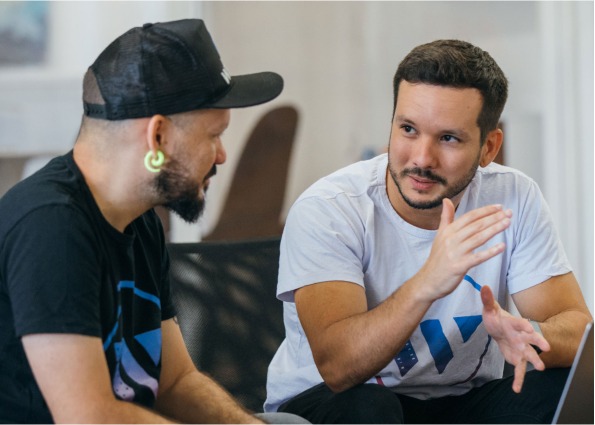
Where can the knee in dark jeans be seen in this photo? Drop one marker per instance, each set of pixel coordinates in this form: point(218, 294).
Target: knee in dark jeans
point(364, 404)
point(549, 383)
point(541, 393)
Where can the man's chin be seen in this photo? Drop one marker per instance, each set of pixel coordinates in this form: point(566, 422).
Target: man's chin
point(189, 211)
point(428, 201)
point(420, 204)
point(422, 199)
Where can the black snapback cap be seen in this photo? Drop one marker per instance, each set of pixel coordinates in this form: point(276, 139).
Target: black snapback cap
point(171, 67)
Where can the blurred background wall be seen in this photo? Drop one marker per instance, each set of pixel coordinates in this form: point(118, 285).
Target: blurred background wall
point(338, 60)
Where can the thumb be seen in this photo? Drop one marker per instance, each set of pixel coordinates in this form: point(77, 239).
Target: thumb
point(448, 213)
point(487, 298)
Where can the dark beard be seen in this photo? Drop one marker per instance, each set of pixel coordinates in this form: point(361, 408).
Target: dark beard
point(451, 191)
point(178, 194)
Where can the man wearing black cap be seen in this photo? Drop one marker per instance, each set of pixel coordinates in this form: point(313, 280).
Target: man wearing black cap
point(87, 322)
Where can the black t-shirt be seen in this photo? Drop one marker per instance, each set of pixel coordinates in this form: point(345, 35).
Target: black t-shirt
point(65, 269)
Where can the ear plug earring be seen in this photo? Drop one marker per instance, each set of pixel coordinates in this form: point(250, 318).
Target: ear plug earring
point(151, 163)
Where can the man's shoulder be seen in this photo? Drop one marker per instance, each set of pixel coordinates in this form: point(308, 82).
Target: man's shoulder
point(501, 174)
point(354, 181)
point(500, 181)
point(55, 185)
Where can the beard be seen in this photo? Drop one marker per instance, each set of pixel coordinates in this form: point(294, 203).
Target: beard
point(452, 190)
point(178, 193)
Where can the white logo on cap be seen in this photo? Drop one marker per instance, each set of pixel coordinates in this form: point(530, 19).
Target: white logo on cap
point(226, 76)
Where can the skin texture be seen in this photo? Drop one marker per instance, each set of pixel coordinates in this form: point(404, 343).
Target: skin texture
point(435, 131)
point(71, 370)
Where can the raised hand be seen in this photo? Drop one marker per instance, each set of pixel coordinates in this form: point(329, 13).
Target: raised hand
point(514, 336)
point(452, 253)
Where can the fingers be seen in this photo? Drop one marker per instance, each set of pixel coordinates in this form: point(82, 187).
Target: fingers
point(523, 325)
point(531, 356)
point(480, 238)
point(474, 215)
point(481, 224)
point(519, 376)
point(487, 298)
point(530, 336)
point(448, 213)
point(538, 340)
point(482, 256)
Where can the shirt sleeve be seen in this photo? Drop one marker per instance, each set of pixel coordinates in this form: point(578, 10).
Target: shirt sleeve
point(52, 273)
point(538, 253)
point(319, 244)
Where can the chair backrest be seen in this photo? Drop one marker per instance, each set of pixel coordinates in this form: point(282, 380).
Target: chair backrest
point(230, 318)
point(257, 192)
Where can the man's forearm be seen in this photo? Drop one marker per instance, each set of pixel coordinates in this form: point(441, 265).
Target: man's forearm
point(196, 398)
point(563, 332)
point(126, 412)
point(360, 346)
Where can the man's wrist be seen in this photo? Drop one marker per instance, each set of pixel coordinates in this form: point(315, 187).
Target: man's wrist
point(418, 292)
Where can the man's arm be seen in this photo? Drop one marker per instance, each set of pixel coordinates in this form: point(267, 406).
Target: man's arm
point(187, 395)
point(351, 344)
point(559, 307)
point(73, 377)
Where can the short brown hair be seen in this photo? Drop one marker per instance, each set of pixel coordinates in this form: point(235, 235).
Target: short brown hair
point(459, 64)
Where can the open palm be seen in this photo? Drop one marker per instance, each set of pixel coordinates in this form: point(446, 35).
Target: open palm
point(514, 336)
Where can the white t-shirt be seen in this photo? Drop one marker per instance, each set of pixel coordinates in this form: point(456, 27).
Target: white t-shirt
point(344, 228)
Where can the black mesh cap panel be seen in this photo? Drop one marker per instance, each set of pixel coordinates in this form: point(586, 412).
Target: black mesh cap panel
point(119, 74)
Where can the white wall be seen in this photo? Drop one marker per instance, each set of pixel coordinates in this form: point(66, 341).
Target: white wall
point(567, 109)
point(583, 15)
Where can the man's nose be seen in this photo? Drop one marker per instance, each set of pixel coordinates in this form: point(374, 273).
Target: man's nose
point(424, 153)
point(221, 153)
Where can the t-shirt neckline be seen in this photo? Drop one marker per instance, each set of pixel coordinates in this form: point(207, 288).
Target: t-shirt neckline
point(396, 219)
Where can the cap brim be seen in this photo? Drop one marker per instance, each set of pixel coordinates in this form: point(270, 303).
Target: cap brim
point(250, 90)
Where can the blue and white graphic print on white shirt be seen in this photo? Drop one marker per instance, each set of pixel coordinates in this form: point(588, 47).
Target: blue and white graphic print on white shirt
point(344, 228)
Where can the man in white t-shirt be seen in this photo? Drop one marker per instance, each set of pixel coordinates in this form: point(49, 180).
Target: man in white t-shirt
point(393, 270)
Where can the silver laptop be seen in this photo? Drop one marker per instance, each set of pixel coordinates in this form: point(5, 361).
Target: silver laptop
point(576, 403)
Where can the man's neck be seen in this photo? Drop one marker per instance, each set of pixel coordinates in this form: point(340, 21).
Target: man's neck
point(112, 184)
point(424, 219)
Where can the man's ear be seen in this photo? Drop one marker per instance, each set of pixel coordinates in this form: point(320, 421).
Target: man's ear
point(156, 133)
point(491, 147)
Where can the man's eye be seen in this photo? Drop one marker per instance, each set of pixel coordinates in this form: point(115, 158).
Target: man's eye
point(408, 129)
point(450, 138)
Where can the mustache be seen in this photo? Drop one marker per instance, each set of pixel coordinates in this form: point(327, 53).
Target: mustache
point(425, 174)
point(211, 173)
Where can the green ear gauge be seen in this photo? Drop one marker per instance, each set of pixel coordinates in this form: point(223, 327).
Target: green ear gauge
point(151, 163)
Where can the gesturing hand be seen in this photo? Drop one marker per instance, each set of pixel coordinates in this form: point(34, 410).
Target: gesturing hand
point(452, 253)
point(514, 336)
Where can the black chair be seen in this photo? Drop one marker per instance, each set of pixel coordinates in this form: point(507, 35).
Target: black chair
point(230, 319)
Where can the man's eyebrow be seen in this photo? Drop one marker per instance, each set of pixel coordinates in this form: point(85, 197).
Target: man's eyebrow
point(404, 119)
point(460, 133)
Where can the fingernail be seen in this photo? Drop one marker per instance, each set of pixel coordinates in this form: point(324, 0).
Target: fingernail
point(498, 206)
point(506, 221)
point(508, 213)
